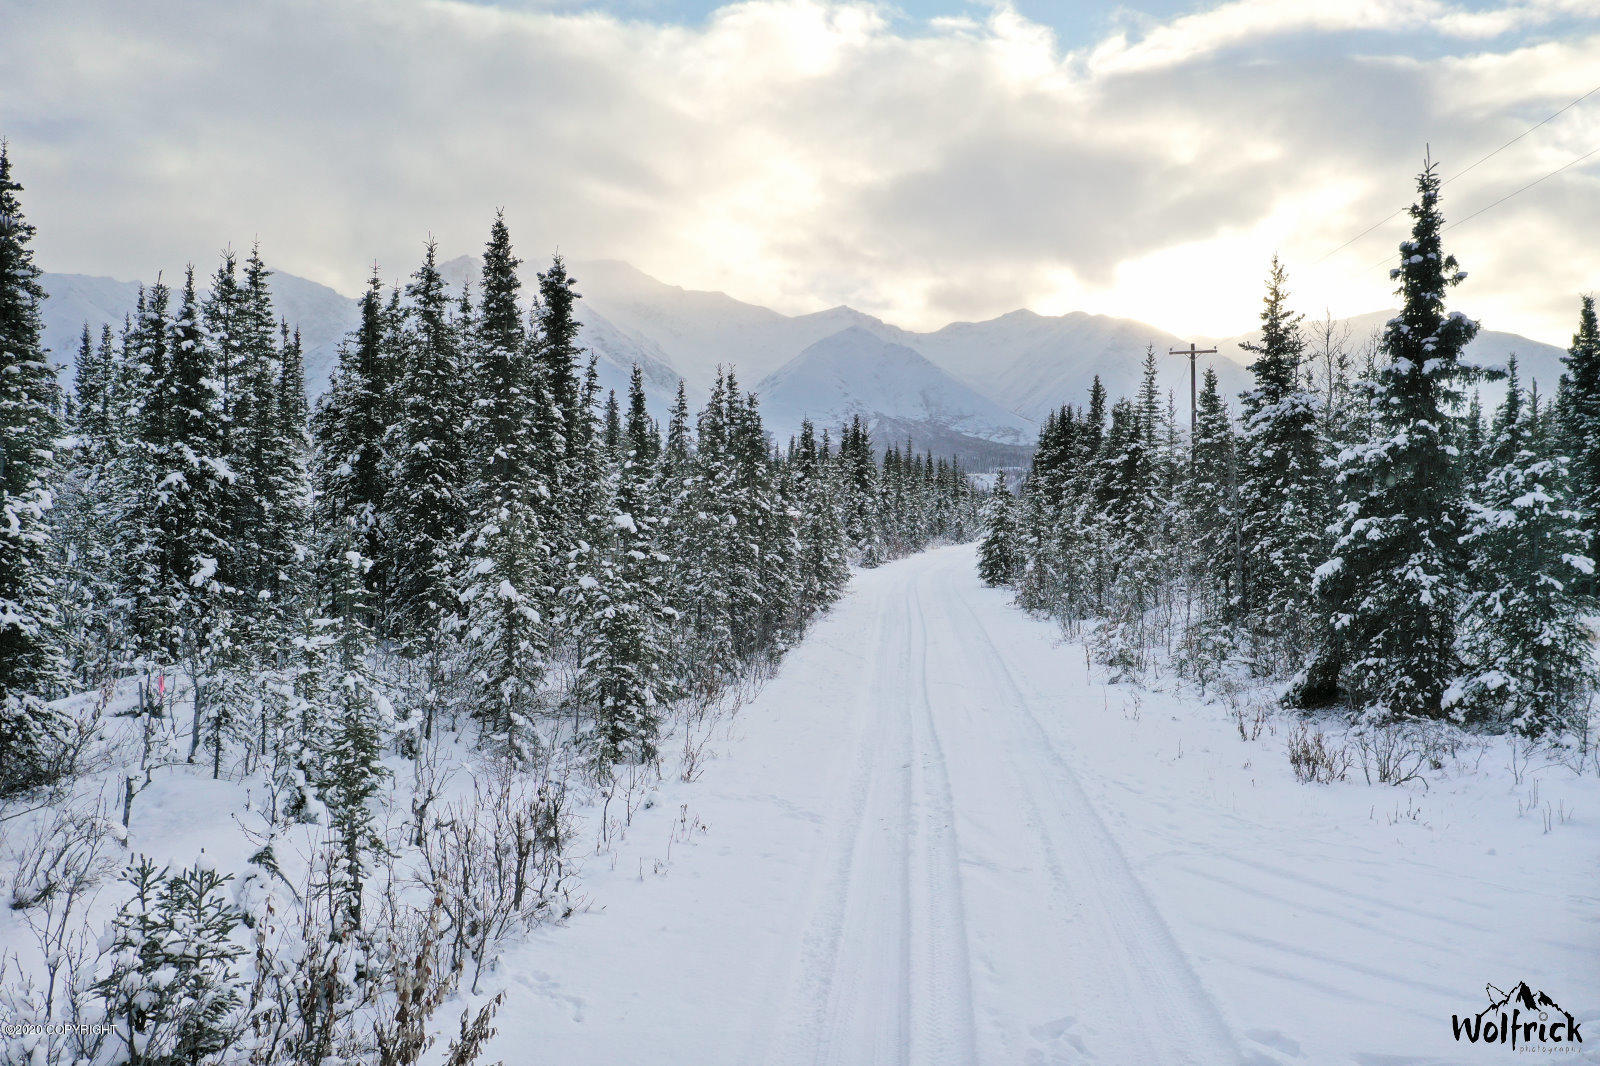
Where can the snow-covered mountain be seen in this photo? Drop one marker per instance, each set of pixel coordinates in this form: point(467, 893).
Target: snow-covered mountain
point(616, 350)
point(897, 390)
point(973, 388)
point(1536, 361)
point(322, 315)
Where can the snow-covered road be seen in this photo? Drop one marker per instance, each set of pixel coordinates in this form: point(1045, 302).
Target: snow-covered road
point(910, 858)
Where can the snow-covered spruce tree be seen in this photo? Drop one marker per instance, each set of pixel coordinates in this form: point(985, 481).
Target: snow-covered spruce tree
point(350, 715)
point(206, 991)
point(1280, 484)
point(824, 568)
point(285, 481)
point(705, 524)
point(503, 589)
point(1393, 584)
point(1580, 426)
point(226, 313)
point(620, 678)
point(92, 424)
point(783, 615)
point(138, 986)
point(349, 427)
point(611, 431)
point(1525, 638)
point(31, 669)
point(252, 405)
point(191, 519)
point(1210, 506)
point(428, 502)
point(673, 488)
point(148, 618)
point(861, 501)
point(84, 518)
point(585, 520)
point(567, 421)
point(757, 583)
point(997, 554)
point(1474, 441)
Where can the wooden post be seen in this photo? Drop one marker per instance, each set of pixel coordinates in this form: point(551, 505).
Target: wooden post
point(1191, 352)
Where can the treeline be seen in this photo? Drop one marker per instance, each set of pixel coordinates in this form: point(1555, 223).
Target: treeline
point(463, 542)
point(1359, 525)
point(462, 500)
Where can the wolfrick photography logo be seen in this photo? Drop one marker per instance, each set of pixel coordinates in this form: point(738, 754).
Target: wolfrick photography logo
point(1520, 1018)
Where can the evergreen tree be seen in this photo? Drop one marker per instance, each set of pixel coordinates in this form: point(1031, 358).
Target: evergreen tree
point(1525, 634)
point(504, 591)
point(1280, 478)
point(1580, 417)
point(997, 554)
point(346, 712)
point(30, 666)
point(193, 491)
point(205, 993)
point(1210, 501)
point(1393, 585)
point(429, 506)
point(567, 421)
point(349, 429)
point(139, 988)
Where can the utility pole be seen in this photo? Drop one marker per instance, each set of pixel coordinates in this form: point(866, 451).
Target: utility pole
point(1191, 352)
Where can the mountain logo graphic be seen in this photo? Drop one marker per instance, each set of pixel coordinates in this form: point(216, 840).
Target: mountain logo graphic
point(1519, 1017)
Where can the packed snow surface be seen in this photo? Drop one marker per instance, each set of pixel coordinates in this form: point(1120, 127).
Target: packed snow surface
point(938, 836)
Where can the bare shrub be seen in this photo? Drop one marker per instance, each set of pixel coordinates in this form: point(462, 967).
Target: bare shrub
point(1314, 759)
point(61, 1000)
point(65, 854)
point(497, 863)
point(1396, 754)
point(1251, 719)
point(304, 1000)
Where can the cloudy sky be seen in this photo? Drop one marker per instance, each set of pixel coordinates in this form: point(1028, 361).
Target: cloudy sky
point(926, 161)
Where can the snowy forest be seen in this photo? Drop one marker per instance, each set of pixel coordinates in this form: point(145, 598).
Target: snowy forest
point(416, 625)
point(1359, 527)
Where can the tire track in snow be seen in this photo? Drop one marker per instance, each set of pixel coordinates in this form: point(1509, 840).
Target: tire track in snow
point(843, 995)
point(1176, 1017)
point(943, 1028)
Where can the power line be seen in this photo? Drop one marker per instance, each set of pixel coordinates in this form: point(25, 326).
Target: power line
point(1525, 188)
point(1453, 177)
point(1523, 134)
point(1516, 192)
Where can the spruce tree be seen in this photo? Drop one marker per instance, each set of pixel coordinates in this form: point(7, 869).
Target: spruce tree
point(565, 424)
point(206, 990)
point(349, 428)
point(1393, 585)
point(1525, 636)
point(997, 554)
point(345, 712)
point(31, 669)
point(191, 518)
point(429, 505)
point(139, 986)
point(1580, 417)
point(622, 673)
point(1210, 502)
point(504, 590)
point(1280, 478)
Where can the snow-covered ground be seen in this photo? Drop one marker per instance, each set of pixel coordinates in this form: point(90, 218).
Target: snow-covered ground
point(936, 836)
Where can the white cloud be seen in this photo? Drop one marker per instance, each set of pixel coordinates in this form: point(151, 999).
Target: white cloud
point(802, 154)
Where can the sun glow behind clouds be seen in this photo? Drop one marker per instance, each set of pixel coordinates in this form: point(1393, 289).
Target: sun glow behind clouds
point(802, 154)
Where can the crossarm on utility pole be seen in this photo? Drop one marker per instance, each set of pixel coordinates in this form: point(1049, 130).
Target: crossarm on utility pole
point(1191, 352)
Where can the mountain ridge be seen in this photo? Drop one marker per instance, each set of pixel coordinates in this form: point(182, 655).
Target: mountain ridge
point(1016, 366)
